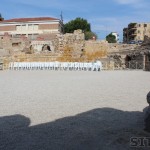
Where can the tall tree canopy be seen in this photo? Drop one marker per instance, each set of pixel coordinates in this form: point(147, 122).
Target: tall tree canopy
point(111, 38)
point(80, 23)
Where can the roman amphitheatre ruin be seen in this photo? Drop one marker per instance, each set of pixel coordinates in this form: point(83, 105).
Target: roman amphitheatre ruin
point(47, 109)
point(71, 47)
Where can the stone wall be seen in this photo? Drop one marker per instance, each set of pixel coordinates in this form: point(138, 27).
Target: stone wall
point(118, 47)
point(10, 46)
point(95, 46)
point(75, 40)
point(56, 44)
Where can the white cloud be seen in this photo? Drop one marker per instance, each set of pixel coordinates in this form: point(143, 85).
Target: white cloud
point(128, 1)
point(136, 4)
point(105, 23)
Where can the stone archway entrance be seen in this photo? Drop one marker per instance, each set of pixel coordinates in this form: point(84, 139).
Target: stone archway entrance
point(46, 47)
point(128, 58)
point(134, 61)
point(41, 46)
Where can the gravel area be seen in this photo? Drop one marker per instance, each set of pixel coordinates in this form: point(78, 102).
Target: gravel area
point(72, 110)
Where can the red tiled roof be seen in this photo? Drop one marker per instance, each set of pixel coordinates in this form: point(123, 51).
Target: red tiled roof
point(30, 19)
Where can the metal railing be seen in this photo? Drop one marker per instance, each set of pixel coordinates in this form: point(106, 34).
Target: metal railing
point(132, 65)
point(1, 66)
point(135, 65)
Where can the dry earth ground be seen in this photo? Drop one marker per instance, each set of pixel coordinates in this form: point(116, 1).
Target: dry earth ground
point(62, 110)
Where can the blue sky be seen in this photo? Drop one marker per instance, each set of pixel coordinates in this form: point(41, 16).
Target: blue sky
point(105, 16)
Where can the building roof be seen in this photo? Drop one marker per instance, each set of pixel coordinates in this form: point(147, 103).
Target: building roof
point(30, 19)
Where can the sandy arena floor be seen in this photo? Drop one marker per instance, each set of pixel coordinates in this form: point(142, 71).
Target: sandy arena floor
point(61, 110)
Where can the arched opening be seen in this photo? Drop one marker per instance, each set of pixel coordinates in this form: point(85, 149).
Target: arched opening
point(148, 57)
point(31, 47)
point(127, 60)
point(46, 48)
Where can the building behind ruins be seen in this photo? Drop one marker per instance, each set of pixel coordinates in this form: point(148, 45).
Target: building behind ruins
point(30, 27)
point(136, 32)
point(116, 36)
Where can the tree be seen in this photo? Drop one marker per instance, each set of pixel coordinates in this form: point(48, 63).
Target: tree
point(111, 38)
point(1, 18)
point(80, 23)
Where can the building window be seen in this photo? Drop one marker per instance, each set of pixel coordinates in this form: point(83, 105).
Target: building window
point(16, 44)
point(18, 28)
point(35, 36)
point(145, 25)
point(35, 27)
point(138, 31)
point(18, 36)
point(23, 27)
point(30, 27)
point(139, 25)
point(30, 36)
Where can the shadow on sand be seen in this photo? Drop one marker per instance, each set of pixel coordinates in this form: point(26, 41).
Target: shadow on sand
point(98, 129)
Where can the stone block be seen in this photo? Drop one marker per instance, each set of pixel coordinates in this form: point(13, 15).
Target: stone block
point(147, 115)
point(148, 98)
point(147, 120)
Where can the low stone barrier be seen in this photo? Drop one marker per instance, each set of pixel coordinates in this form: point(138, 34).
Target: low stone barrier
point(1, 66)
point(147, 114)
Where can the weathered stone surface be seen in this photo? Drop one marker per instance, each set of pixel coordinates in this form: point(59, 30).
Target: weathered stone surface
point(147, 115)
point(147, 123)
point(4, 52)
point(12, 45)
point(146, 41)
point(147, 119)
point(94, 46)
point(148, 98)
